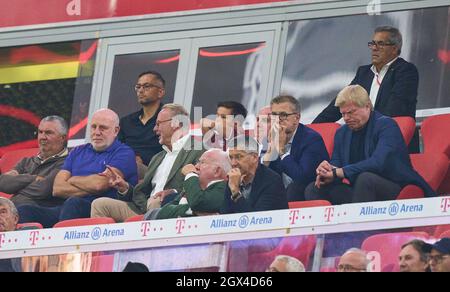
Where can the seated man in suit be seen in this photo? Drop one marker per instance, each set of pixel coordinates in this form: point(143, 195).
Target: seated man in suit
point(294, 151)
point(203, 188)
point(251, 186)
point(163, 176)
point(391, 81)
point(80, 181)
point(369, 151)
point(31, 180)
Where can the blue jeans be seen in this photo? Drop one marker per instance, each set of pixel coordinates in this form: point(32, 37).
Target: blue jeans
point(72, 208)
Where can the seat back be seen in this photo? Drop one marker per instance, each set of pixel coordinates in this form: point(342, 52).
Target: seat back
point(445, 234)
point(11, 158)
point(442, 229)
point(388, 246)
point(29, 226)
point(136, 218)
point(407, 126)
point(84, 222)
point(435, 134)
point(327, 131)
point(431, 166)
point(308, 204)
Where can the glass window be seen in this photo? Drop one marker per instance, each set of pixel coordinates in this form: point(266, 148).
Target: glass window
point(41, 80)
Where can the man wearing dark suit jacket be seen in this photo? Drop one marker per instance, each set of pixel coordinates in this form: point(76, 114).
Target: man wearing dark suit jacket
point(369, 151)
point(251, 186)
point(294, 151)
point(163, 176)
point(391, 82)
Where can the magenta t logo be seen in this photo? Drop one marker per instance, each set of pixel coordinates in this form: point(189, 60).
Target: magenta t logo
point(145, 228)
point(34, 237)
point(180, 225)
point(293, 216)
point(445, 205)
point(2, 238)
point(329, 213)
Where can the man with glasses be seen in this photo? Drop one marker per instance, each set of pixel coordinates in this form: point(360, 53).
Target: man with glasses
point(353, 260)
point(439, 258)
point(251, 186)
point(391, 82)
point(31, 180)
point(136, 129)
point(203, 188)
point(369, 152)
point(294, 151)
point(163, 177)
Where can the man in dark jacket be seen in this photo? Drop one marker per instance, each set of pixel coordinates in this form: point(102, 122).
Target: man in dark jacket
point(369, 151)
point(31, 180)
point(251, 186)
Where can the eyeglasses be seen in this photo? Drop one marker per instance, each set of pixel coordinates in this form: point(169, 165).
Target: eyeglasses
point(348, 268)
point(437, 258)
point(158, 123)
point(146, 86)
point(379, 44)
point(282, 115)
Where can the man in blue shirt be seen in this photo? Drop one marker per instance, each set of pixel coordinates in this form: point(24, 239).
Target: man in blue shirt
point(83, 177)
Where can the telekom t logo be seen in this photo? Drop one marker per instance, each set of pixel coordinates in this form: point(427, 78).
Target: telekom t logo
point(34, 237)
point(329, 213)
point(293, 216)
point(445, 205)
point(2, 237)
point(179, 225)
point(145, 229)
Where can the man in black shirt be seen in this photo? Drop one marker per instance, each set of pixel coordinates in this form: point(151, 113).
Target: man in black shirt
point(136, 129)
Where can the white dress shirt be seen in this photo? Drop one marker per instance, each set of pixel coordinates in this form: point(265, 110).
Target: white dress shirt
point(377, 80)
point(163, 171)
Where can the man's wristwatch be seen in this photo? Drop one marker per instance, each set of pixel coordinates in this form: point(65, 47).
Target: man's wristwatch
point(334, 173)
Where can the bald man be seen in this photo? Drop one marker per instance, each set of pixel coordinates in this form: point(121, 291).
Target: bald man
point(84, 176)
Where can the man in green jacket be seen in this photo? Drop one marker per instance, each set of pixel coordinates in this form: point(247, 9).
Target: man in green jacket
point(203, 188)
point(163, 176)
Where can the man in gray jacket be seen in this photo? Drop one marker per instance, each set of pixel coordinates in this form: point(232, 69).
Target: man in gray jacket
point(31, 180)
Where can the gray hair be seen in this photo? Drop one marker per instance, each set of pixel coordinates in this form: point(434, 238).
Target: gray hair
point(176, 109)
point(245, 143)
point(292, 264)
point(360, 252)
point(289, 99)
point(355, 94)
point(395, 37)
point(223, 160)
point(10, 204)
point(63, 128)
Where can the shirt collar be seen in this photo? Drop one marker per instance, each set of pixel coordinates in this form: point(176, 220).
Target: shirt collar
point(64, 152)
point(385, 67)
point(177, 145)
point(214, 182)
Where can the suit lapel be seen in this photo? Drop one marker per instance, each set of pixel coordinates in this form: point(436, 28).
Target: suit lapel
point(179, 162)
point(154, 164)
point(386, 82)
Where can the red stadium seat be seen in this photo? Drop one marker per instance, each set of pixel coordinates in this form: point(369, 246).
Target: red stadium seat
point(432, 167)
point(442, 229)
point(388, 245)
point(29, 225)
point(327, 131)
point(308, 204)
point(7, 196)
point(11, 158)
point(300, 247)
point(445, 234)
point(407, 126)
point(136, 218)
point(84, 222)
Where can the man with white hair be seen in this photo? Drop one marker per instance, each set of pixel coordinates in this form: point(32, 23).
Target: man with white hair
point(353, 260)
point(204, 186)
point(284, 263)
point(31, 180)
point(251, 186)
point(369, 151)
point(83, 177)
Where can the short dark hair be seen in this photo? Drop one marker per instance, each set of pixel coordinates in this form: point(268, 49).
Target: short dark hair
point(287, 98)
point(420, 247)
point(156, 74)
point(235, 107)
